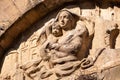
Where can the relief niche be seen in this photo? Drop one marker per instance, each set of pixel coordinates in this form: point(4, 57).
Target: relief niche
point(75, 43)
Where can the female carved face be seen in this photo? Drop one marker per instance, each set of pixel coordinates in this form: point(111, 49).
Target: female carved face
point(65, 20)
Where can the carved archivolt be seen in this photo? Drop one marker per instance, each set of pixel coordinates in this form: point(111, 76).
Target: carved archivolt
point(72, 45)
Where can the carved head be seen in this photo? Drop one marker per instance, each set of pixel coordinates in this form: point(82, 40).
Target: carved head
point(66, 19)
point(56, 30)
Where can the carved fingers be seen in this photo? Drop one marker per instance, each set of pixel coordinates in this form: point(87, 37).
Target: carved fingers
point(54, 46)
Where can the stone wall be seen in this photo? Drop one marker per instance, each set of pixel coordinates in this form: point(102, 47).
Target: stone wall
point(17, 16)
point(25, 51)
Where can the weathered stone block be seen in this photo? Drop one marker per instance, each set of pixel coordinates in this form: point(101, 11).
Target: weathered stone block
point(22, 5)
point(9, 12)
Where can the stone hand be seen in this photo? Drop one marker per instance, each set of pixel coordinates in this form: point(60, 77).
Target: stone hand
point(54, 46)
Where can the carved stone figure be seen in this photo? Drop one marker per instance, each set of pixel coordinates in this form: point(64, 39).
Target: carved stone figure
point(64, 48)
point(76, 43)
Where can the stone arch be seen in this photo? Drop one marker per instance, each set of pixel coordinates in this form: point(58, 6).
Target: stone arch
point(23, 18)
point(16, 16)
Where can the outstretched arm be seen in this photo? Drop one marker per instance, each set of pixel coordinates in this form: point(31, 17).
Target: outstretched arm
point(48, 27)
point(45, 30)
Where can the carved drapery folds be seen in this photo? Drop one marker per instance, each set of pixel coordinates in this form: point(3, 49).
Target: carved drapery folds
point(61, 51)
point(77, 44)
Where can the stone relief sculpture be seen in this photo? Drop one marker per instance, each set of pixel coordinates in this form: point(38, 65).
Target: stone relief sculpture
point(65, 47)
point(71, 46)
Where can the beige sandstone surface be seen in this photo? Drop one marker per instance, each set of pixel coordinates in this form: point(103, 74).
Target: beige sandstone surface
point(86, 49)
